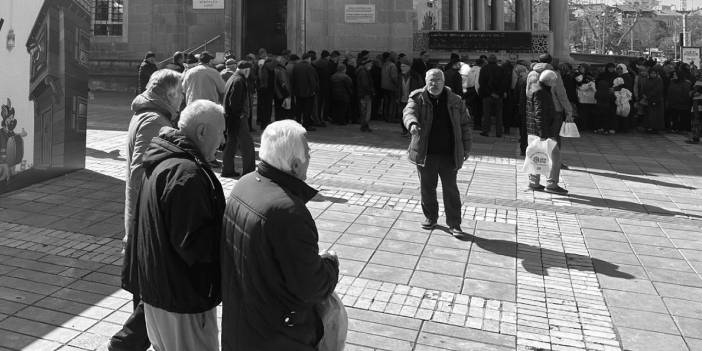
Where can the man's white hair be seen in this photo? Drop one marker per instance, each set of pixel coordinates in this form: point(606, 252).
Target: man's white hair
point(434, 72)
point(163, 81)
point(197, 113)
point(281, 143)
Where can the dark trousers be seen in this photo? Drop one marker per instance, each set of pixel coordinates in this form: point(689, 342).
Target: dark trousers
point(265, 108)
point(435, 167)
point(475, 108)
point(679, 119)
point(280, 112)
point(377, 106)
point(402, 122)
point(305, 110)
point(340, 111)
point(389, 105)
point(238, 135)
point(133, 335)
point(323, 106)
point(492, 106)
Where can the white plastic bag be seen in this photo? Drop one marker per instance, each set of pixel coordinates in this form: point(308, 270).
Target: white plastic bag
point(538, 156)
point(569, 130)
point(336, 323)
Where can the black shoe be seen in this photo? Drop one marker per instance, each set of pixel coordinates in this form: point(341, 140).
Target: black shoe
point(555, 189)
point(215, 164)
point(428, 224)
point(456, 231)
point(564, 166)
point(537, 187)
point(692, 141)
point(485, 134)
point(231, 175)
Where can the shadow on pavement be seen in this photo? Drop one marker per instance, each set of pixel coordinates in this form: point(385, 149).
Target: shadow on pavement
point(634, 179)
point(537, 260)
point(626, 205)
point(113, 155)
point(322, 198)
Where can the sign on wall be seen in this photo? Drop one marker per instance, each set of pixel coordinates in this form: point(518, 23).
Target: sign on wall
point(691, 54)
point(359, 14)
point(208, 4)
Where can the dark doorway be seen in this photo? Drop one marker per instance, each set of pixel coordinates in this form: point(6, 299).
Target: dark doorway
point(265, 25)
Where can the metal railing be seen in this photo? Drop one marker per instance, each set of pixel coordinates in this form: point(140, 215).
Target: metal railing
point(201, 46)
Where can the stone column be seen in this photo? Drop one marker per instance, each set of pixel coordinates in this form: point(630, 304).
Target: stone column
point(558, 24)
point(523, 16)
point(467, 11)
point(480, 15)
point(455, 15)
point(497, 15)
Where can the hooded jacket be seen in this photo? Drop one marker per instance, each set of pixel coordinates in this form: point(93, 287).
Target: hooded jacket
point(272, 274)
point(146, 69)
point(560, 97)
point(420, 111)
point(173, 259)
point(540, 112)
point(151, 113)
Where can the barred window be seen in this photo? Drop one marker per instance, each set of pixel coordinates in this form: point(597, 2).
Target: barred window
point(79, 114)
point(108, 18)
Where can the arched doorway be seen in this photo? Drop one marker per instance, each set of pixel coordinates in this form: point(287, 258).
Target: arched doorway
point(265, 25)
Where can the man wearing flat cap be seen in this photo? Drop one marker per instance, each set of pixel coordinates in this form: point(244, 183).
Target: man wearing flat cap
point(203, 81)
point(237, 109)
point(146, 69)
point(230, 68)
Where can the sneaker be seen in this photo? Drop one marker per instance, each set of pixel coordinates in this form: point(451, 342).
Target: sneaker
point(456, 231)
point(536, 187)
point(428, 224)
point(555, 189)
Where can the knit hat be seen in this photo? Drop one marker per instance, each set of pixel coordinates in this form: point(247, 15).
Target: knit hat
point(623, 67)
point(243, 64)
point(618, 81)
point(548, 77)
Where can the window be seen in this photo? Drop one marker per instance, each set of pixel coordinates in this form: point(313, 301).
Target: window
point(79, 114)
point(108, 18)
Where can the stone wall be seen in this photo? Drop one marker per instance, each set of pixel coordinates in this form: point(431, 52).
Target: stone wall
point(393, 30)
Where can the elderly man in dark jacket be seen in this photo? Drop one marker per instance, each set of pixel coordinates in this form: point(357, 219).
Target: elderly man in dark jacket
point(493, 90)
point(543, 121)
point(146, 69)
point(173, 261)
point(272, 273)
point(306, 83)
point(441, 140)
point(153, 109)
point(237, 109)
point(341, 92)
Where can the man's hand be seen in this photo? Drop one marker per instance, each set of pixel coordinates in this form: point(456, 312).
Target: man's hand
point(330, 255)
point(414, 129)
point(465, 156)
point(570, 118)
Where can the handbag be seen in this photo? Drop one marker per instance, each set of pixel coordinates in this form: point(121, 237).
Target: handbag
point(569, 130)
point(538, 155)
point(336, 323)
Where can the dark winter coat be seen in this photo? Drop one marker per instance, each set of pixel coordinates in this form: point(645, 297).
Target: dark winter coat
point(541, 113)
point(322, 66)
point(281, 84)
point(272, 274)
point(491, 80)
point(173, 261)
point(419, 110)
point(305, 80)
point(237, 99)
point(364, 82)
point(146, 69)
point(341, 87)
point(679, 94)
point(454, 81)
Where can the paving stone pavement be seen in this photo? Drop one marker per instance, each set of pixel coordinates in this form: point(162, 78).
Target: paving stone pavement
point(615, 265)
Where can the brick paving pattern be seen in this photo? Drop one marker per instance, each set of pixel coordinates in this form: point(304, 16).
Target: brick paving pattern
point(616, 265)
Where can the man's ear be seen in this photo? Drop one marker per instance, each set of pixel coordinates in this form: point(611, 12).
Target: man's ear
point(201, 131)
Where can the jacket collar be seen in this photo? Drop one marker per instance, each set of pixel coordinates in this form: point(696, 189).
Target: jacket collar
point(451, 98)
point(296, 186)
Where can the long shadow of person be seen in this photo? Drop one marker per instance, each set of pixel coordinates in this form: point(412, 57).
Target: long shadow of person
point(321, 198)
point(538, 260)
point(635, 179)
point(626, 205)
point(114, 154)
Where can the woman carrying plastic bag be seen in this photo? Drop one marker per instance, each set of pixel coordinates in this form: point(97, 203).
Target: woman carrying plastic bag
point(542, 154)
point(336, 323)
